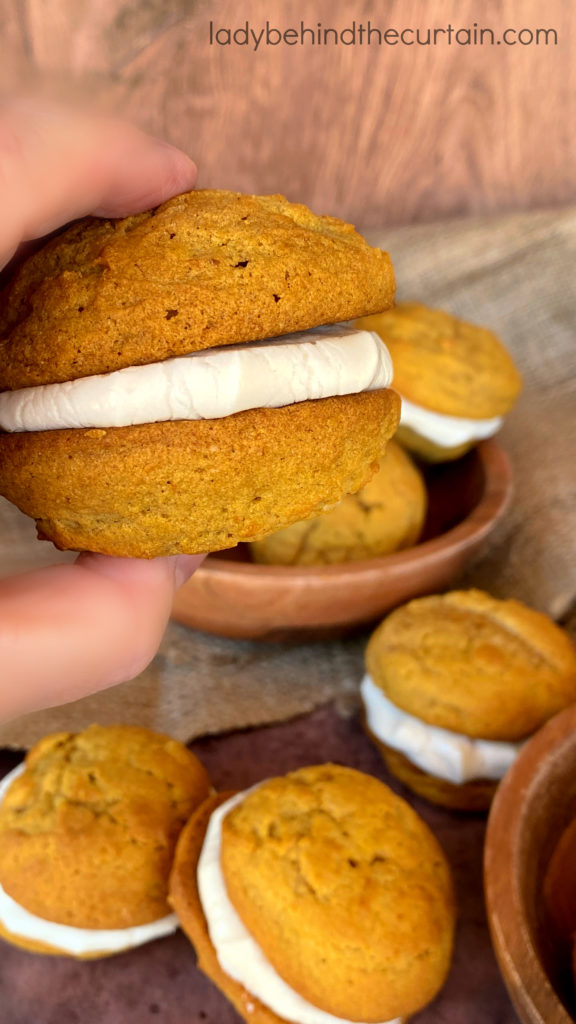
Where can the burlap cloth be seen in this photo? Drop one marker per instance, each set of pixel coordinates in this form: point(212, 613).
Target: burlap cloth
point(514, 274)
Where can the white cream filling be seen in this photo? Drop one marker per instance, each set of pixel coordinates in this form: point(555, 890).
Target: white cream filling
point(77, 941)
point(446, 431)
point(445, 754)
point(238, 954)
point(319, 363)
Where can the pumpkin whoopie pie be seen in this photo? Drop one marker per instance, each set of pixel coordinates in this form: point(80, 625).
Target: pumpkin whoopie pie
point(88, 826)
point(159, 395)
point(455, 683)
point(316, 896)
point(457, 381)
point(386, 515)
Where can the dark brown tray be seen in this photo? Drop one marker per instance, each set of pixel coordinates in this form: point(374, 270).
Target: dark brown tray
point(159, 982)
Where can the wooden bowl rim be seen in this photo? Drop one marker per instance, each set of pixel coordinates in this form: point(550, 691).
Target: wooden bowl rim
point(477, 524)
point(530, 987)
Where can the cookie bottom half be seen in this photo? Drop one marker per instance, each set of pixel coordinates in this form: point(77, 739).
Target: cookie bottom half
point(476, 795)
point(193, 486)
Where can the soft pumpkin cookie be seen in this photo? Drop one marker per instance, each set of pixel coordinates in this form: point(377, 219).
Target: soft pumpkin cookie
point(88, 827)
point(455, 683)
point(384, 516)
point(339, 894)
point(457, 381)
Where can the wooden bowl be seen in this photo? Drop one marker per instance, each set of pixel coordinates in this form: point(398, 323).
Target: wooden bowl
point(531, 811)
point(231, 596)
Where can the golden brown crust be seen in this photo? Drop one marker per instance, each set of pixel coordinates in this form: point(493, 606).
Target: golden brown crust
point(206, 268)
point(195, 486)
point(88, 831)
point(470, 663)
point(185, 900)
point(386, 515)
point(446, 364)
point(304, 855)
point(476, 795)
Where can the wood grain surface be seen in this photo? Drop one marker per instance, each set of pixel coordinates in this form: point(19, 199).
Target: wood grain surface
point(379, 135)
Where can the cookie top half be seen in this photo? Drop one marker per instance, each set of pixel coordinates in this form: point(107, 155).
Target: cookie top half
point(345, 890)
point(473, 664)
point(445, 364)
point(205, 269)
point(87, 832)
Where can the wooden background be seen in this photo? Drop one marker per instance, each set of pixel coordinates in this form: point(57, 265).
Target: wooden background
point(391, 135)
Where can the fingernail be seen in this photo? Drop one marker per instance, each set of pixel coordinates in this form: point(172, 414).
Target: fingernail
point(163, 172)
point(184, 566)
point(166, 145)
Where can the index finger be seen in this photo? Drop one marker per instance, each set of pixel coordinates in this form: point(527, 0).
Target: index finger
point(57, 164)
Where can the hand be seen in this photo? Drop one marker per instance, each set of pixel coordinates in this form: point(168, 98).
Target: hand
point(70, 630)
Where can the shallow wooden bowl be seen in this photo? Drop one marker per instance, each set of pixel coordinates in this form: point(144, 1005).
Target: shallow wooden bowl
point(231, 596)
point(533, 806)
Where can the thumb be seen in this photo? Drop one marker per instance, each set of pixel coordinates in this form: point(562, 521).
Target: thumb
point(57, 164)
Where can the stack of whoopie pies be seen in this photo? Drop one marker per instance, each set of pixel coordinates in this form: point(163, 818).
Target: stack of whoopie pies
point(157, 394)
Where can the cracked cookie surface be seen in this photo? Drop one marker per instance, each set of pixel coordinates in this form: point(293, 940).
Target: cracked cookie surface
point(473, 664)
point(87, 832)
point(386, 515)
point(345, 890)
point(206, 268)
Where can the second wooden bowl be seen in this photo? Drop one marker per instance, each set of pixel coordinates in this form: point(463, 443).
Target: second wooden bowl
point(533, 807)
point(231, 596)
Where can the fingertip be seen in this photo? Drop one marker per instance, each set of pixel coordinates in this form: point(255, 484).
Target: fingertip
point(174, 569)
point(139, 595)
point(128, 570)
point(161, 172)
point(132, 603)
point(58, 163)
point(185, 566)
